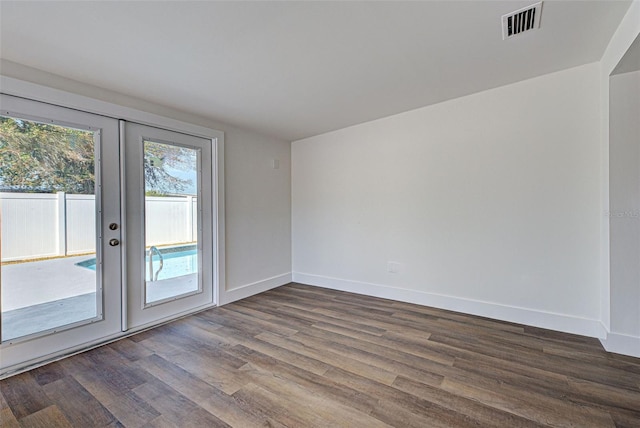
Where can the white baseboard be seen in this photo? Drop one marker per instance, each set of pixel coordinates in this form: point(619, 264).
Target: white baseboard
point(530, 317)
point(248, 290)
point(622, 344)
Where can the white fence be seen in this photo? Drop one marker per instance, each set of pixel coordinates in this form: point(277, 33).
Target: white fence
point(36, 225)
point(171, 220)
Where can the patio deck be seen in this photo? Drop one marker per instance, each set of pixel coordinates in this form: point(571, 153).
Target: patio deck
point(42, 295)
point(46, 294)
point(32, 283)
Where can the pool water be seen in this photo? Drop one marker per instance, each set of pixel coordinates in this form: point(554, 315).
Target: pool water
point(178, 261)
point(176, 264)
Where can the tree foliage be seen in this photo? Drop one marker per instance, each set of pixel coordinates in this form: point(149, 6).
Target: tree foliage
point(159, 161)
point(44, 158)
point(37, 157)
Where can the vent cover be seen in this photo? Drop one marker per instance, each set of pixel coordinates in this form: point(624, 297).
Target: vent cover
point(521, 20)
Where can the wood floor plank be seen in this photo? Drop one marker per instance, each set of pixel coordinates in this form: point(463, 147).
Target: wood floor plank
point(552, 363)
point(191, 338)
point(235, 320)
point(316, 384)
point(3, 402)
point(299, 308)
point(420, 347)
point(23, 395)
point(401, 326)
point(49, 417)
point(619, 398)
point(264, 325)
point(8, 419)
point(300, 356)
point(161, 422)
point(313, 365)
point(131, 410)
point(99, 369)
point(487, 416)
point(49, 373)
point(411, 415)
point(129, 349)
point(534, 407)
point(384, 346)
point(381, 361)
point(318, 407)
point(277, 408)
point(598, 358)
point(527, 394)
point(352, 364)
point(205, 395)
point(175, 407)
point(116, 396)
point(219, 369)
point(624, 419)
point(78, 405)
point(268, 307)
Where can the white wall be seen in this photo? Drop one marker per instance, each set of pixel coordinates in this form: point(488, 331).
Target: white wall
point(258, 219)
point(490, 204)
point(257, 205)
point(624, 176)
point(627, 32)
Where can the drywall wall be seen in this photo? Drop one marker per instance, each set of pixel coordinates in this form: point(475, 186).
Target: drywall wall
point(257, 197)
point(489, 204)
point(628, 31)
point(624, 193)
point(258, 213)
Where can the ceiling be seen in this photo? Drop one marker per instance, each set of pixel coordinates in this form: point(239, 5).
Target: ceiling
point(297, 69)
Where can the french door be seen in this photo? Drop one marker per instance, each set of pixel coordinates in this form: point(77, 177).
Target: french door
point(106, 226)
point(169, 223)
point(60, 196)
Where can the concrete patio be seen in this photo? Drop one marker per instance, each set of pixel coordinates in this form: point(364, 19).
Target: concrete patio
point(32, 283)
point(42, 295)
point(46, 294)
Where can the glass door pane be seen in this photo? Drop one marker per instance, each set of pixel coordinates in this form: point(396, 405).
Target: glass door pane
point(169, 223)
point(171, 176)
point(60, 278)
point(49, 276)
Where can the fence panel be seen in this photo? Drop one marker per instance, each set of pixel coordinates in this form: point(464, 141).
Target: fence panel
point(166, 220)
point(29, 225)
point(37, 225)
point(81, 224)
point(194, 221)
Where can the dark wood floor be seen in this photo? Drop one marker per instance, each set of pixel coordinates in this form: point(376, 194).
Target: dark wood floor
point(301, 356)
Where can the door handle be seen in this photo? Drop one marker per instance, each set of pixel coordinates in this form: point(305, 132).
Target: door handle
point(114, 242)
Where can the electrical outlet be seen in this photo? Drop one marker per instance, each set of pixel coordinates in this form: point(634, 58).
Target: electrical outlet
point(393, 267)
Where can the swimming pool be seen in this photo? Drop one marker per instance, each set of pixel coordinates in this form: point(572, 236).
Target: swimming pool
point(178, 261)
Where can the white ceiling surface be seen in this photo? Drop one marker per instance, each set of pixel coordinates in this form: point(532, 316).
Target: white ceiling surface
point(297, 69)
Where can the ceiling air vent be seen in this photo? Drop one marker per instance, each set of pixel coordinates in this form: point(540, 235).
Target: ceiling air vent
point(521, 20)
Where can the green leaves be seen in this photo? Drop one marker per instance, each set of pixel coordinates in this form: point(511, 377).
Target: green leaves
point(159, 159)
point(37, 157)
point(43, 158)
